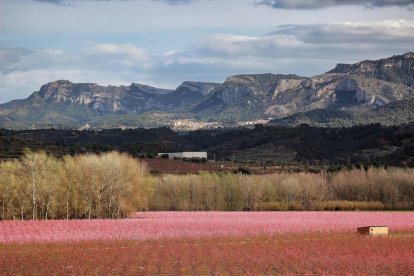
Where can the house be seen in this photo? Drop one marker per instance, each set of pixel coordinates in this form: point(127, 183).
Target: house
point(373, 230)
point(185, 154)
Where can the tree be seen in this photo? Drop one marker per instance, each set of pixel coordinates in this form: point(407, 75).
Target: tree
point(36, 170)
point(39, 186)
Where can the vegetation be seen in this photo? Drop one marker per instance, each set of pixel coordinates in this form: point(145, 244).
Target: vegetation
point(40, 186)
point(393, 113)
point(144, 226)
point(289, 254)
point(210, 243)
point(370, 145)
point(357, 189)
point(112, 185)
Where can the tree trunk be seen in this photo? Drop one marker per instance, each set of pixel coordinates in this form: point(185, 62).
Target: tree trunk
point(110, 215)
point(67, 206)
point(33, 195)
point(47, 208)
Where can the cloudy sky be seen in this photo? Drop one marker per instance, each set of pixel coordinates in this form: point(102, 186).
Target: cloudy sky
point(165, 42)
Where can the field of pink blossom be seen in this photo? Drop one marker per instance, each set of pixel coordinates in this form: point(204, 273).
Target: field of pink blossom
point(287, 254)
point(165, 225)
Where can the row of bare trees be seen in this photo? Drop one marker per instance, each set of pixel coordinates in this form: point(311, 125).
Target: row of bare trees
point(375, 189)
point(113, 185)
point(39, 186)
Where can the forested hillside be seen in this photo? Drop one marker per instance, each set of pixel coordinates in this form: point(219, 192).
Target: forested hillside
point(358, 145)
point(390, 114)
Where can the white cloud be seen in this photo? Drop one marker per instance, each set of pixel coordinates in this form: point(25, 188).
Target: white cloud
point(175, 2)
point(315, 39)
point(22, 59)
point(300, 49)
point(128, 51)
point(23, 71)
point(70, 2)
point(318, 4)
point(122, 55)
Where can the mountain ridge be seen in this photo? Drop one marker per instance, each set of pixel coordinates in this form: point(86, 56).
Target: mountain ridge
point(352, 89)
point(388, 69)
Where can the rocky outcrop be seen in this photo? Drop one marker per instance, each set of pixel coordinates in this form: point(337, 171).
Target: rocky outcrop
point(203, 88)
point(249, 97)
point(396, 69)
point(285, 85)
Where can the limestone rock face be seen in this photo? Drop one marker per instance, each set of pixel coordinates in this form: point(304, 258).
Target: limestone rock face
point(396, 69)
point(198, 87)
point(250, 97)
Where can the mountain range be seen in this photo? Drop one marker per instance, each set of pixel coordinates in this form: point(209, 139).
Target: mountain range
point(370, 91)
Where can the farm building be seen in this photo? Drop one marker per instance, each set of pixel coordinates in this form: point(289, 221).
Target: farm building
point(185, 154)
point(373, 230)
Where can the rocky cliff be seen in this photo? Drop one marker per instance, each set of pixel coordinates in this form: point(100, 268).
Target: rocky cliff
point(396, 69)
point(348, 89)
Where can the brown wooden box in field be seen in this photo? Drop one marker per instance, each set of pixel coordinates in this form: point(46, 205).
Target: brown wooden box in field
point(373, 230)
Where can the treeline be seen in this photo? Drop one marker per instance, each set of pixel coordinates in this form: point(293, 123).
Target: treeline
point(114, 185)
point(369, 145)
point(357, 189)
point(40, 186)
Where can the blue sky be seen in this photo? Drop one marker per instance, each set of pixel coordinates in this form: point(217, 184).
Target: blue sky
point(163, 43)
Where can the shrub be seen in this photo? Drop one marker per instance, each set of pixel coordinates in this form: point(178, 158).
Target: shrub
point(165, 156)
point(242, 170)
point(344, 205)
point(272, 206)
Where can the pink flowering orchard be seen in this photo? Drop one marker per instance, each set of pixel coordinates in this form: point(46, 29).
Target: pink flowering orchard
point(161, 225)
point(210, 243)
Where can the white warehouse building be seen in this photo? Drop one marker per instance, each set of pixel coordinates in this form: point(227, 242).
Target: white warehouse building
point(185, 154)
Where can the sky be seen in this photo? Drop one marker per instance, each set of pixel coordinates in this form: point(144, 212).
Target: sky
point(166, 42)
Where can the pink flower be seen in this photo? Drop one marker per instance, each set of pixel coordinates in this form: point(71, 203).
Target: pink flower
point(161, 225)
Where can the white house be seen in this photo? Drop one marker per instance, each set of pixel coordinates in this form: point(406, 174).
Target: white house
point(185, 154)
